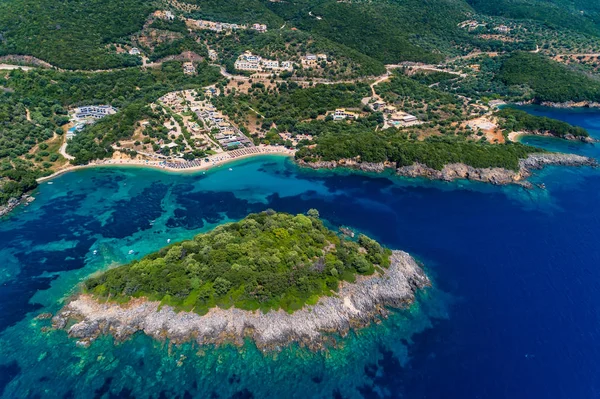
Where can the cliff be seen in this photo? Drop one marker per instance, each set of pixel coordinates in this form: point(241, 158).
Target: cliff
point(355, 305)
point(497, 176)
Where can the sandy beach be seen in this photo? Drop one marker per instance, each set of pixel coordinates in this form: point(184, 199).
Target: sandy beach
point(181, 166)
point(515, 136)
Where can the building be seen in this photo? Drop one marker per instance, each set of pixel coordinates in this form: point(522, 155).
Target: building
point(251, 62)
point(309, 60)
point(378, 105)
point(169, 15)
point(270, 64)
point(134, 51)
point(94, 111)
point(212, 54)
point(189, 68)
point(388, 109)
point(341, 114)
point(259, 28)
point(403, 119)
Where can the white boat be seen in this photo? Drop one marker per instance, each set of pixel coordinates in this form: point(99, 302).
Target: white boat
point(230, 169)
point(131, 252)
point(168, 241)
point(50, 182)
point(95, 252)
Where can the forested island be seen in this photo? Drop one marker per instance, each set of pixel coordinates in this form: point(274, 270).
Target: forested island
point(272, 276)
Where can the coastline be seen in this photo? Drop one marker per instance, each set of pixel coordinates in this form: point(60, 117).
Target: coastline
point(205, 166)
point(354, 306)
point(515, 137)
point(457, 171)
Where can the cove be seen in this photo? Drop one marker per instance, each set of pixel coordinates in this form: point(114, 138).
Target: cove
point(512, 313)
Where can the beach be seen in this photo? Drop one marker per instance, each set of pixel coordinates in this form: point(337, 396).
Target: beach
point(207, 163)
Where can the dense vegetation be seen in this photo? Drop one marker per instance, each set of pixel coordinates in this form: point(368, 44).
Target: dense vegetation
point(389, 31)
point(71, 34)
point(287, 104)
point(291, 45)
point(517, 120)
point(416, 98)
point(549, 80)
point(434, 152)
point(33, 109)
point(581, 15)
point(266, 261)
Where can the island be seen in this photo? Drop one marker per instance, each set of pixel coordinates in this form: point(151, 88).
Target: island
point(273, 277)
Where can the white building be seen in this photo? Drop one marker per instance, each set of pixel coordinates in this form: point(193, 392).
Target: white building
point(94, 111)
point(134, 51)
point(259, 28)
point(340, 114)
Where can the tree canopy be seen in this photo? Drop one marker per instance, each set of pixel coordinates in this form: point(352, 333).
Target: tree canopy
point(266, 261)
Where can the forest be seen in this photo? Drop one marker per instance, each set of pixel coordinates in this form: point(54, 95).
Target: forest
point(288, 103)
point(515, 120)
point(435, 151)
point(266, 261)
point(549, 80)
point(71, 34)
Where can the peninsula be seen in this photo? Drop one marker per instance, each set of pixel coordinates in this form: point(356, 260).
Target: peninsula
point(273, 277)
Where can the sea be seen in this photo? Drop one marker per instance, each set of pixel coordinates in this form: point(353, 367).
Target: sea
point(513, 311)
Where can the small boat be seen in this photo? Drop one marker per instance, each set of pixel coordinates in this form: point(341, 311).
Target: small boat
point(168, 241)
point(230, 169)
point(95, 251)
point(131, 252)
point(50, 182)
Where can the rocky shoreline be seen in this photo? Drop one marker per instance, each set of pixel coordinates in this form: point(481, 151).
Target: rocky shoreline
point(454, 171)
point(15, 202)
point(355, 305)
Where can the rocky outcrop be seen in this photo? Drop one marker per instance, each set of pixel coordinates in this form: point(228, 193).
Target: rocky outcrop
point(454, 171)
point(354, 306)
point(571, 104)
point(15, 202)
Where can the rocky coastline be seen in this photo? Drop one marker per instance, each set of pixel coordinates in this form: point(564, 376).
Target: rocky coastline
point(15, 202)
point(570, 137)
point(454, 171)
point(354, 306)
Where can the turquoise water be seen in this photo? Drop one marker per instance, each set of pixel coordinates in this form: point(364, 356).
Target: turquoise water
point(512, 312)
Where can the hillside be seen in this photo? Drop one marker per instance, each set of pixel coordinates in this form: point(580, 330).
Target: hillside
point(73, 34)
point(387, 31)
point(549, 80)
point(579, 15)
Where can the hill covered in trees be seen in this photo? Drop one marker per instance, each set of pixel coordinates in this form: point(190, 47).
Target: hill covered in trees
point(548, 79)
point(434, 152)
point(72, 34)
point(578, 15)
point(266, 261)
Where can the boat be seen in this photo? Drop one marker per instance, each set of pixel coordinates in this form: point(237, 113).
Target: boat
point(168, 240)
point(230, 169)
point(131, 252)
point(95, 251)
point(50, 182)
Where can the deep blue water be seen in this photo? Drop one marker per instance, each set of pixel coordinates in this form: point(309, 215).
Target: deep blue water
point(513, 313)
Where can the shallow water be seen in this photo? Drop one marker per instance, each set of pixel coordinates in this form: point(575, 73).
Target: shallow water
point(512, 313)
